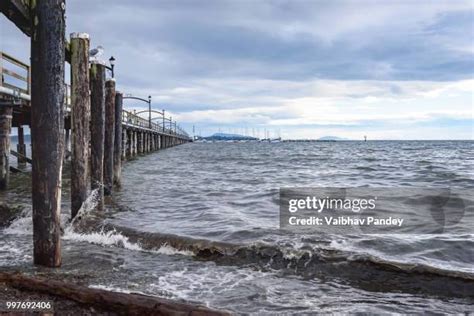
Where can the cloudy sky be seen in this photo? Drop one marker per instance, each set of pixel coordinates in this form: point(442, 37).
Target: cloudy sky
point(301, 69)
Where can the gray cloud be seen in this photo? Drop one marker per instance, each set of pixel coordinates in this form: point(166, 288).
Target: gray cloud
point(214, 55)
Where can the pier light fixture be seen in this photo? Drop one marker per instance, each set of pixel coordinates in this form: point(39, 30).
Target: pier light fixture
point(112, 65)
point(149, 111)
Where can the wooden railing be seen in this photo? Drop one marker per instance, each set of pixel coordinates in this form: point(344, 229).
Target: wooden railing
point(19, 85)
point(12, 79)
point(170, 128)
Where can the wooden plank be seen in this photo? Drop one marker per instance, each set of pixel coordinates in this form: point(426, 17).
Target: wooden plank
point(19, 155)
point(14, 61)
point(15, 170)
point(17, 12)
point(14, 75)
point(10, 86)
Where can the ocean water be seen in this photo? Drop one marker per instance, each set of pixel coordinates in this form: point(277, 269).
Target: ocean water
point(200, 223)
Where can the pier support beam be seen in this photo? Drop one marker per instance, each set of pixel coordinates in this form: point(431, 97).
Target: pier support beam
point(135, 142)
point(5, 129)
point(132, 143)
point(80, 118)
point(47, 127)
point(118, 139)
point(147, 142)
point(67, 140)
point(97, 78)
point(109, 136)
point(128, 147)
point(124, 144)
point(21, 147)
point(139, 143)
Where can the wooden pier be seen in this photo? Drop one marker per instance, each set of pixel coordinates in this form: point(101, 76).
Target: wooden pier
point(89, 113)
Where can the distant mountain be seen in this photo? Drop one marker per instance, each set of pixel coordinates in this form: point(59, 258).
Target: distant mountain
point(224, 136)
point(332, 138)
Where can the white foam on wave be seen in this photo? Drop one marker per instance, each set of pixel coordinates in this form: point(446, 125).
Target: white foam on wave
point(114, 238)
point(87, 206)
point(404, 260)
point(109, 238)
point(23, 226)
point(114, 289)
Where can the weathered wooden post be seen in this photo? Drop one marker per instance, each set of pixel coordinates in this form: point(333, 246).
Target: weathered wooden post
point(134, 143)
point(133, 139)
point(6, 113)
point(129, 143)
point(80, 120)
point(124, 144)
point(147, 140)
point(109, 136)
point(66, 139)
point(140, 142)
point(21, 147)
point(152, 142)
point(97, 78)
point(47, 127)
point(118, 139)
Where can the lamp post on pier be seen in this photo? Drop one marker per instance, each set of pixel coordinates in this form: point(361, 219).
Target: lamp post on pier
point(164, 127)
point(112, 66)
point(149, 111)
point(149, 106)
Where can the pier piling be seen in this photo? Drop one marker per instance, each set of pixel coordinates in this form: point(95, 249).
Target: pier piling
point(97, 78)
point(135, 140)
point(47, 127)
point(109, 136)
point(67, 139)
point(118, 139)
point(21, 147)
point(80, 117)
point(124, 144)
point(5, 128)
point(140, 143)
point(129, 143)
